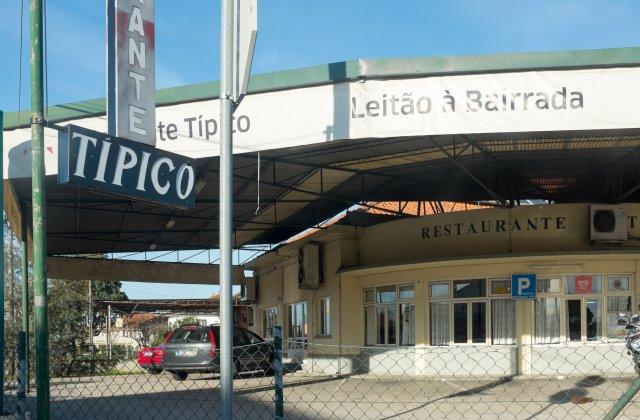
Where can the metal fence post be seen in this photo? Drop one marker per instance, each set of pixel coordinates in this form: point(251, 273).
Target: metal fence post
point(277, 343)
point(22, 374)
point(623, 400)
point(2, 346)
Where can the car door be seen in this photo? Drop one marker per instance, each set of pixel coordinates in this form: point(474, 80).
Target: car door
point(241, 351)
point(261, 350)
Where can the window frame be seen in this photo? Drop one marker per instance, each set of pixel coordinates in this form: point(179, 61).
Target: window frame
point(602, 296)
point(397, 305)
point(323, 302)
point(305, 337)
point(266, 318)
point(451, 301)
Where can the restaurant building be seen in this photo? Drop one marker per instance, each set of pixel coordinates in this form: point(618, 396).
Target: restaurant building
point(438, 287)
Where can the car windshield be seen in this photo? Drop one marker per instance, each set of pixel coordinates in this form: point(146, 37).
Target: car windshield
point(188, 335)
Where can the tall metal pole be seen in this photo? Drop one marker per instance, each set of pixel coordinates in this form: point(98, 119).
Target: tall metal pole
point(38, 208)
point(2, 346)
point(226, 207)
point(24, 269)
point(109, 331)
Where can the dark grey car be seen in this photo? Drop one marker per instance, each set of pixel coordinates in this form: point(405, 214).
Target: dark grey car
point(193, 348)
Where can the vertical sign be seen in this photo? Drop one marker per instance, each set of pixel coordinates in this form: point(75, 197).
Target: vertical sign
point(523, 286)
point(245, 26)
point(131, 94)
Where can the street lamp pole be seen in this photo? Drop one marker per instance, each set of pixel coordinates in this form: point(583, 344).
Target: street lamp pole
point(226, 206)
point(36, 61)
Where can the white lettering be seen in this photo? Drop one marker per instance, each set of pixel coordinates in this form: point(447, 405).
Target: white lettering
point(82, 153)
point(139, 78)
point(155, 169)
point(122, 164)
point(137, 51)
point(523, 283)
point(102, 163)
point(142, 174)
point(135, 23)
point(181, 170)
point(134, 118)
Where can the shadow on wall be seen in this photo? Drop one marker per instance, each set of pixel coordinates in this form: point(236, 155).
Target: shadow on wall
point(341, 91)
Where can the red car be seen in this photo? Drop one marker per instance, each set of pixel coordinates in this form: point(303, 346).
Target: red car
point(150, 359)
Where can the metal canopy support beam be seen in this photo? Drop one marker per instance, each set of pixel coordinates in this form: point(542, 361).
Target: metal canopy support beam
point(492, 193)
point(510, 170)
point(101, 269)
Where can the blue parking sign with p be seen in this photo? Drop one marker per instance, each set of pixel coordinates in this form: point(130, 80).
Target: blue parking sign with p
point(523, 286)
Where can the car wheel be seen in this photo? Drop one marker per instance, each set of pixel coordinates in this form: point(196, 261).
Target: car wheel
point(180, 375)
point(154, 371)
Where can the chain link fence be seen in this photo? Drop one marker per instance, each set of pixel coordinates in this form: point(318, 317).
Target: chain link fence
point(325, 381)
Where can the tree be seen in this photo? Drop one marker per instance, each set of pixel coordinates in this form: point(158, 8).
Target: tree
point(69, 321)
point(105, 290)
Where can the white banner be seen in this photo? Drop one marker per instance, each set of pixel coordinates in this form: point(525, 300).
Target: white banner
point(483, 103)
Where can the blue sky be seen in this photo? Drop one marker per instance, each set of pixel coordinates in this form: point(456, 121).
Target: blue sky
point(295, 33)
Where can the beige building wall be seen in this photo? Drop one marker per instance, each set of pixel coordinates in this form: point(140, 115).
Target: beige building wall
point(548, 240)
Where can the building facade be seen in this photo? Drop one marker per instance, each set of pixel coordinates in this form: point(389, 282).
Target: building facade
point(438, 288)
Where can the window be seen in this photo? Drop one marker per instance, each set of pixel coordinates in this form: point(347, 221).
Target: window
point(618, 315)
point(463, 318)
point(552, 285)
point(439, 323)
point(501, 287)
point(547, 320)
point(298, 321)
point(407, 324)
point(369, 296)
point(578, 315)
point(439, 290)
point(460, 323)
point(386, 294)
point(190, 335)
point(583, 284)
point(617, 284)
point(325, 316)
point(269, 321)
point(619, 305)
point(503, 321)
point(369, 325)
point(406, 292)
point(390, 317)
point(469, 288)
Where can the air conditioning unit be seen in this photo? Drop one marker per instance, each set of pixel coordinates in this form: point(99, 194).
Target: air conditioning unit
point(249, 289)
point(310, 274)
point(608, 223)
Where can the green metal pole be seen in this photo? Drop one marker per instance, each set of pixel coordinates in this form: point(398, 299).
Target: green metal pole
point(623, 400)
point(38, 208)
point(24, 268)
point(2, 346)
